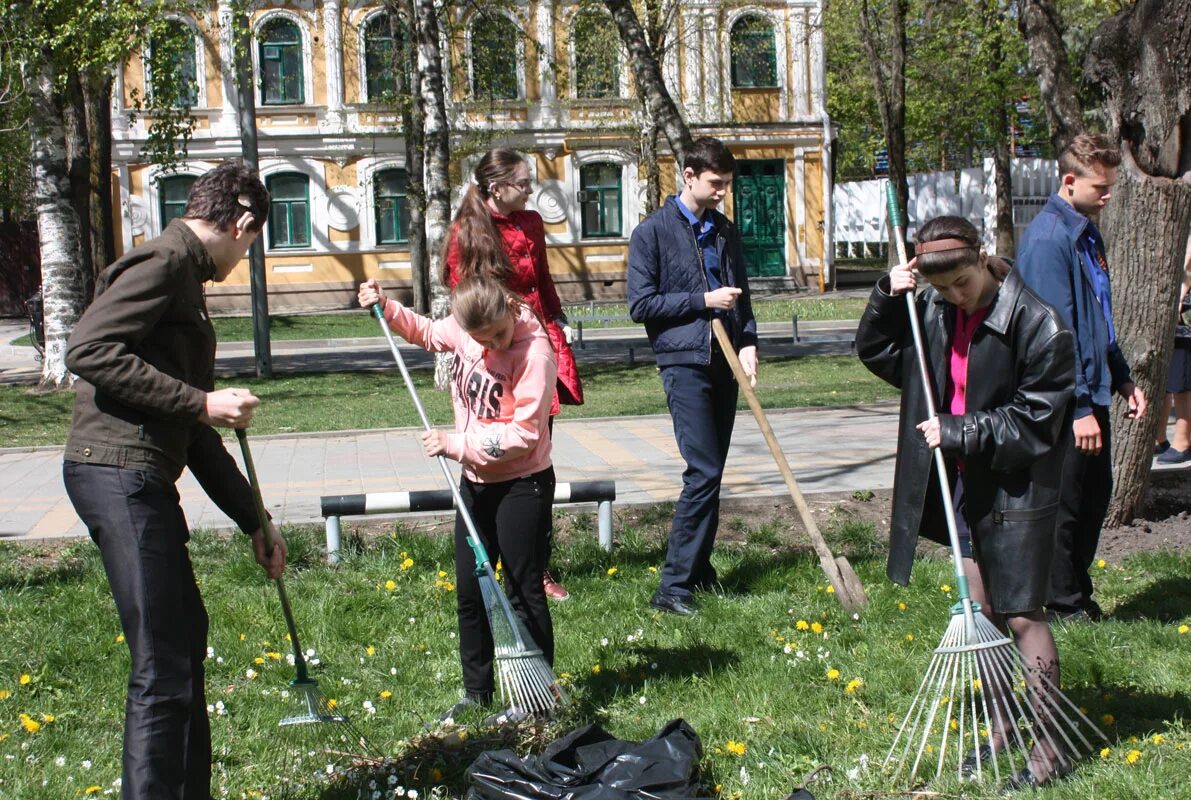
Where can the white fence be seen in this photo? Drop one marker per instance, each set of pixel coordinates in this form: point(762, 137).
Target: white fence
point(861, 225)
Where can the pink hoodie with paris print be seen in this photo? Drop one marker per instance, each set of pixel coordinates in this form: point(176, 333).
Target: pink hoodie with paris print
point(501, 397)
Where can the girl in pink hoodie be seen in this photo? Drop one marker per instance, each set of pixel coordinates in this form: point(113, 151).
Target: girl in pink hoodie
point(502, 385)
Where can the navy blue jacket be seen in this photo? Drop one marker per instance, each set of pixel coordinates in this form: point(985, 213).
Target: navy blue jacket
point(667, 283)
point(1050, 262)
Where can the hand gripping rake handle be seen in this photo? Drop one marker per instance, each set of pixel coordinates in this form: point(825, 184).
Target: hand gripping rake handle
point(899, 227)
point(483, 563)
point(266, 531)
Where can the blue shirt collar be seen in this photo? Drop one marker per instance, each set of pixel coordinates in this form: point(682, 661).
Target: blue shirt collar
point(702, 226)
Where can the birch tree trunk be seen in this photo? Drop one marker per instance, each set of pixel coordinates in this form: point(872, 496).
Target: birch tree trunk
point(647, 72)
point(432, 86)
point(58, 227)
point(412, 128)
point(78, 167)
point(1003, 177)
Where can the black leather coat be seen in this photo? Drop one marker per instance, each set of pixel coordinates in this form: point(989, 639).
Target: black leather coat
point(1021, 368)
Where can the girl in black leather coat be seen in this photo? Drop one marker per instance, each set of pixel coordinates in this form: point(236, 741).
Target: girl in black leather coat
point(1003, 368)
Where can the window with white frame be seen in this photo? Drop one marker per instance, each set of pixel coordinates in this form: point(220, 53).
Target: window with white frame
point(380, 50)
point(600, 199)
point(281, 57)
point(289, 210)
point(171, 64)
point(495, 57)
point(391, 204)
point(172, 193)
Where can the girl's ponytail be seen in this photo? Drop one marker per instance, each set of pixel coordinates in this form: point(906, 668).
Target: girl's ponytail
point(473, 234)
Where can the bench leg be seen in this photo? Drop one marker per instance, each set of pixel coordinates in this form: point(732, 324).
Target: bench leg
point(605, 515)
point(333, 540)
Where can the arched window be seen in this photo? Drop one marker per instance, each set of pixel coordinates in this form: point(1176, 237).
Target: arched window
point(599, 199)
point(754, 53)
point(172, 192)
point(494, 57)
point(282, 82)
point(392, 208)
point(380, 48)
point(597, 55)
point(289, 210)
point(172, 65)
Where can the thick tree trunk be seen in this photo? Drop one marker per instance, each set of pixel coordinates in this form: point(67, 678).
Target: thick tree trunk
point(59, 231)
point(1146, 236)
point(648, 74)
point(651, 173)
point(78, 166)
point(1039, 23)
point(406, 64)
point(889, 87)
point(1003, 167)
point(97, 99)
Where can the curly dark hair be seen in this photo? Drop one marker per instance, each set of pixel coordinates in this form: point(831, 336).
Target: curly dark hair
point(223, 194)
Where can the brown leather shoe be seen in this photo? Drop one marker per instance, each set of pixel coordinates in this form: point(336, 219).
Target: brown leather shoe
point(554, 590)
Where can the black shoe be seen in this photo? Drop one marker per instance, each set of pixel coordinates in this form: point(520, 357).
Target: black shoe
point(672, 604)
point(982, 757)
point(1161, 447)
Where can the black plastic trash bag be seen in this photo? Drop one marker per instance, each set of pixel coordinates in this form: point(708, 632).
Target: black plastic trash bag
point(589, 764)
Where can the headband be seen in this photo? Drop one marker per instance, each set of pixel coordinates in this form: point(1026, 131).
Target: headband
point(942, 246)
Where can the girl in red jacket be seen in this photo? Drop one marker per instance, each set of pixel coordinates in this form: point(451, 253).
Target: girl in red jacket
point(502, 385)
point(492, 229)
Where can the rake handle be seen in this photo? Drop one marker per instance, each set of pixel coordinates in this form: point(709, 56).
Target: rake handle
point(899, 227)
point(483, 562)
point(267, 531)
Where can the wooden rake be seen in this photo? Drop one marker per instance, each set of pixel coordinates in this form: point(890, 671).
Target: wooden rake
point(843, 579)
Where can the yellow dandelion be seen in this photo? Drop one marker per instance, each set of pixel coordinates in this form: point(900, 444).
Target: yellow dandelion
point(909, 637)
point(273, 655)
point(332, 703)
point(1158, 738)
point(595, 670)
point(258, 661)
point(119, 638)
point(901, 606)
point(29, 724)
point(47, 718)
point(242, 637)
point(954, 725)
point(442, 573)
point(802, 625)
point(1183, 629)
point(1108, 719)
point(823, 726)
point(833, 674)
point(1106, 752)
point(946, 587)
point(976, 684)
point(736, 748)
point(24, 680)
point(816, 627)
point(93, 790)
point(370, 650)
point(390, 585)
point(1102, 563)
point(1133, 757)
point(407, 563)
point(653, 569)
point(384, 694)
point(612, 571)
point(853, 685)
point(4, 694)
point(830, 590)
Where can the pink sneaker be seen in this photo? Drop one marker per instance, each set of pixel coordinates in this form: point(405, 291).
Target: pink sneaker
point(554, 589)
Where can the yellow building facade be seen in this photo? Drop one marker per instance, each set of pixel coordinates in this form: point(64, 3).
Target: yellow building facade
point(542, 77)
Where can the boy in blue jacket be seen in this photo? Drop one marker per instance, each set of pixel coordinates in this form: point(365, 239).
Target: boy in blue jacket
point(686, 267)
point(1061, 257)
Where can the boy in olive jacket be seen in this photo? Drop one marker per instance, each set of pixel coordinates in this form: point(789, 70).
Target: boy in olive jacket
point(144, 354)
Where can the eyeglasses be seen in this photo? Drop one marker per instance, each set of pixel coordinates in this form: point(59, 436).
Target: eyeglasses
point(524, 185)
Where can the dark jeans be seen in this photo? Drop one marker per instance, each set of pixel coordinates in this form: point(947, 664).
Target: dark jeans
point(135, 519)
point(511, 518)
point(702, 401)
point(1083, 503)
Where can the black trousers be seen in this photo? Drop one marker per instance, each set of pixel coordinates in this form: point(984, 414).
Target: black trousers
point(135, 519)
point(512, 519)
point(1083, 504)
point(702, 402)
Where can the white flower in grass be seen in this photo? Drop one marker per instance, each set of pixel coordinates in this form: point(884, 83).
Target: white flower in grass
point(653, 665)
point(289, 659)
point(250, 674)
point(604, 642)
point(452, 634)
point(314, 662)
point(392, 780)
point(642, 701)
point(392, 670)
point(310, 653)
point(86, 763)
point(284, 693)
point(210, 652)
point(412, 794)
point(787, 649)
point(60, 761)
point(219, 659)
point(371, 709)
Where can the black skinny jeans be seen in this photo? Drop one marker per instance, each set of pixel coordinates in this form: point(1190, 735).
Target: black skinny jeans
point(136, 520)
point(512, 519)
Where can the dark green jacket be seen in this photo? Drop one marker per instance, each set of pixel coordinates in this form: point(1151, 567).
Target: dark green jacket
point(144, 353)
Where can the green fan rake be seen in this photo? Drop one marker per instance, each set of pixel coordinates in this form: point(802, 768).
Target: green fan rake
point(315, 736)
point(976, 685)
point(527, 683)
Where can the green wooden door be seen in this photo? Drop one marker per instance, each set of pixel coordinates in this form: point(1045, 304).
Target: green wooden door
point(759, 192)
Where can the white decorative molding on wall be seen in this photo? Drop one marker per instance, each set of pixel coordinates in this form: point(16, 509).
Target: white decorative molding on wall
point(280, 268)
point(343, 209)
point(138, 214)
point(551, 201)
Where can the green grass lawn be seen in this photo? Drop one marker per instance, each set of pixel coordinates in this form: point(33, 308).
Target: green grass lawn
point(357, 401)
point(382, 625)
